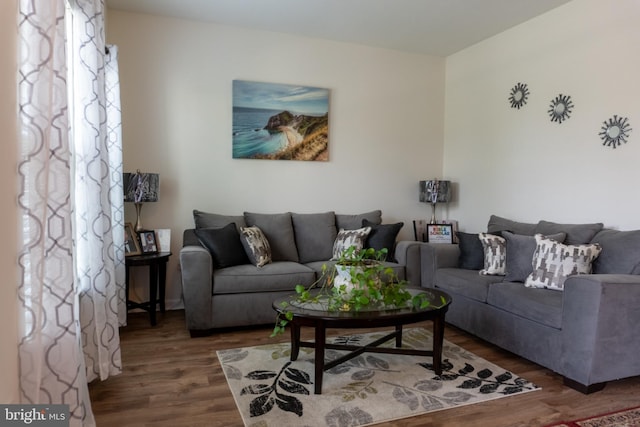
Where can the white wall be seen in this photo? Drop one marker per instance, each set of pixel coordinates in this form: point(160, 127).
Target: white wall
point(9, 212)
point(519, 164)
point(386, 124)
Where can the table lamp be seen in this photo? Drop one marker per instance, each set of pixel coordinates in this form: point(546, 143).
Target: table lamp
point(435, 191)
point(139, 188)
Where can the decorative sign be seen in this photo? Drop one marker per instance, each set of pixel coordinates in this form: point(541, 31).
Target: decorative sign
point(439, 233)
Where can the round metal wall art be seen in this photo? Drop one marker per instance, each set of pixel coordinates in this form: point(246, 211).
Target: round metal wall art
point(560, 108)
point(615, 131)
point(518, 96)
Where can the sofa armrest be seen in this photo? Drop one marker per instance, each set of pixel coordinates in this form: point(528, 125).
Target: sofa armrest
point(197, 275)
point(600, 317)
point(407, 253)
point(434, 256)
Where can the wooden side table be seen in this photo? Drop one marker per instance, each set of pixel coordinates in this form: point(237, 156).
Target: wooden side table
point(157, 281)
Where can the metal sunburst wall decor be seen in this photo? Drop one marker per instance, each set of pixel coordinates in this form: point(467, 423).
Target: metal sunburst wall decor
point(560, 108)
point(519, 95)
point(615, 131)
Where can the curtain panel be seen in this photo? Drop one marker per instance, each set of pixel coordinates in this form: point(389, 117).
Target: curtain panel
point(71, 289)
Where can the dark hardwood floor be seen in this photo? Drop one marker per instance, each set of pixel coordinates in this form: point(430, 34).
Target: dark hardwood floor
point(170, 379)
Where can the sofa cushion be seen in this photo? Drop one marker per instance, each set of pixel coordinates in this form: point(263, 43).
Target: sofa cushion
point(212, 220)
point(540, 305)
point(553, 262)
point(347, 238)
point(520, 249)
point(255, 245)
point(620, 252)
point(471, 252)
point(275, 277)
point(577, 234)
point(494, 254)
point(351, 222)
point(224, 244)
point(278, 229)
point(464, 282)
point(382, 236)
point(497, 223)
point(314, 234)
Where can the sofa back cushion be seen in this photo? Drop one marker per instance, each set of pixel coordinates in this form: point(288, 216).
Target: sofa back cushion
point(497, 224)
point(353, 222)
point(620, 252)
point(212, 220)
point(520, 250)
point(314, 235)
point(278, 229)
point(577, 234)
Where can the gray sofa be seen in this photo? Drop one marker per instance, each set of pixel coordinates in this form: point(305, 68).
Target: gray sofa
point(587, 332)
point(222, 291)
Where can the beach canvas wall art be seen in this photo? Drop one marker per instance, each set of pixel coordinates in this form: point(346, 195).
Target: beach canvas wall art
point(280, 121)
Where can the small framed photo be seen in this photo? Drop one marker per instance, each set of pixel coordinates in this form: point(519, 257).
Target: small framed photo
point(439, 233)
point(148, 241)
point(131, 245)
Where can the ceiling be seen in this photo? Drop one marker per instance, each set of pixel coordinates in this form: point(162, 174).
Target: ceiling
point(433, 27)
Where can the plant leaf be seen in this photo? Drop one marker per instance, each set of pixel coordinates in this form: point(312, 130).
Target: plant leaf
point(293, 387)
point(260, 375)
point(261, 405)
point(256, 389)
point(289, 404)
point(298, 376)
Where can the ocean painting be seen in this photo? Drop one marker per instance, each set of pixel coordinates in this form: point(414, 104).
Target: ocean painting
point(280, 121)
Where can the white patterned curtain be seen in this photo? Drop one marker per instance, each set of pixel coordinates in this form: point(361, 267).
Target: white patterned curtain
point(71, 259)
point(97, 190)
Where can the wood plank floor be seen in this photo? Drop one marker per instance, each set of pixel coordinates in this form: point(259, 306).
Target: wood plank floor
point(170, 379)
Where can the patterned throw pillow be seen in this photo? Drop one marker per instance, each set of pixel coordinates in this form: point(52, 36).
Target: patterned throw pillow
point(348, 238)
point(495, 254)
point(255, 245)
point(553, 262)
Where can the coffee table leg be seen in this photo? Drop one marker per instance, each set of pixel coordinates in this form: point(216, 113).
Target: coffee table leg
point(295, 341)
point(399, 336)
point(319, 362)
point(438, 338)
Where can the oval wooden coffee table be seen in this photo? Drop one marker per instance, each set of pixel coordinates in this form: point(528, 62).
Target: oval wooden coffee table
point(316, 316)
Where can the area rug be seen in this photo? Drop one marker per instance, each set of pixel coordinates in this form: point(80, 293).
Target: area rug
point(625, 418)
point(270, 390)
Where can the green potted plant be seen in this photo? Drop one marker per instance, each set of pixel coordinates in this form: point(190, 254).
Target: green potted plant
point(357, 280)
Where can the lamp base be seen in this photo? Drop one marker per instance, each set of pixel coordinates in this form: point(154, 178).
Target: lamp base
point(433, 214)
point(138, 221)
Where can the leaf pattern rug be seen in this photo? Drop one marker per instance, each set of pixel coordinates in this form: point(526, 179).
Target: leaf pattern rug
point(270, 390)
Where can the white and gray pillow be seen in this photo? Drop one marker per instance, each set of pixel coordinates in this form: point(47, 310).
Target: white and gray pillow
point(554, 262)
point(348, 238)
point(255, 245)
point(495, 254)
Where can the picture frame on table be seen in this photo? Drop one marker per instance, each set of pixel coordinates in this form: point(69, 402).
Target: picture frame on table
point(148, 241)
point(131, 245)
point(440, 233)
point(420, 230)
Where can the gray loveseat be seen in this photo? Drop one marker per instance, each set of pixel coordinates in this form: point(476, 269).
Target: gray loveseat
point(222, 290)
point(588, 332)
